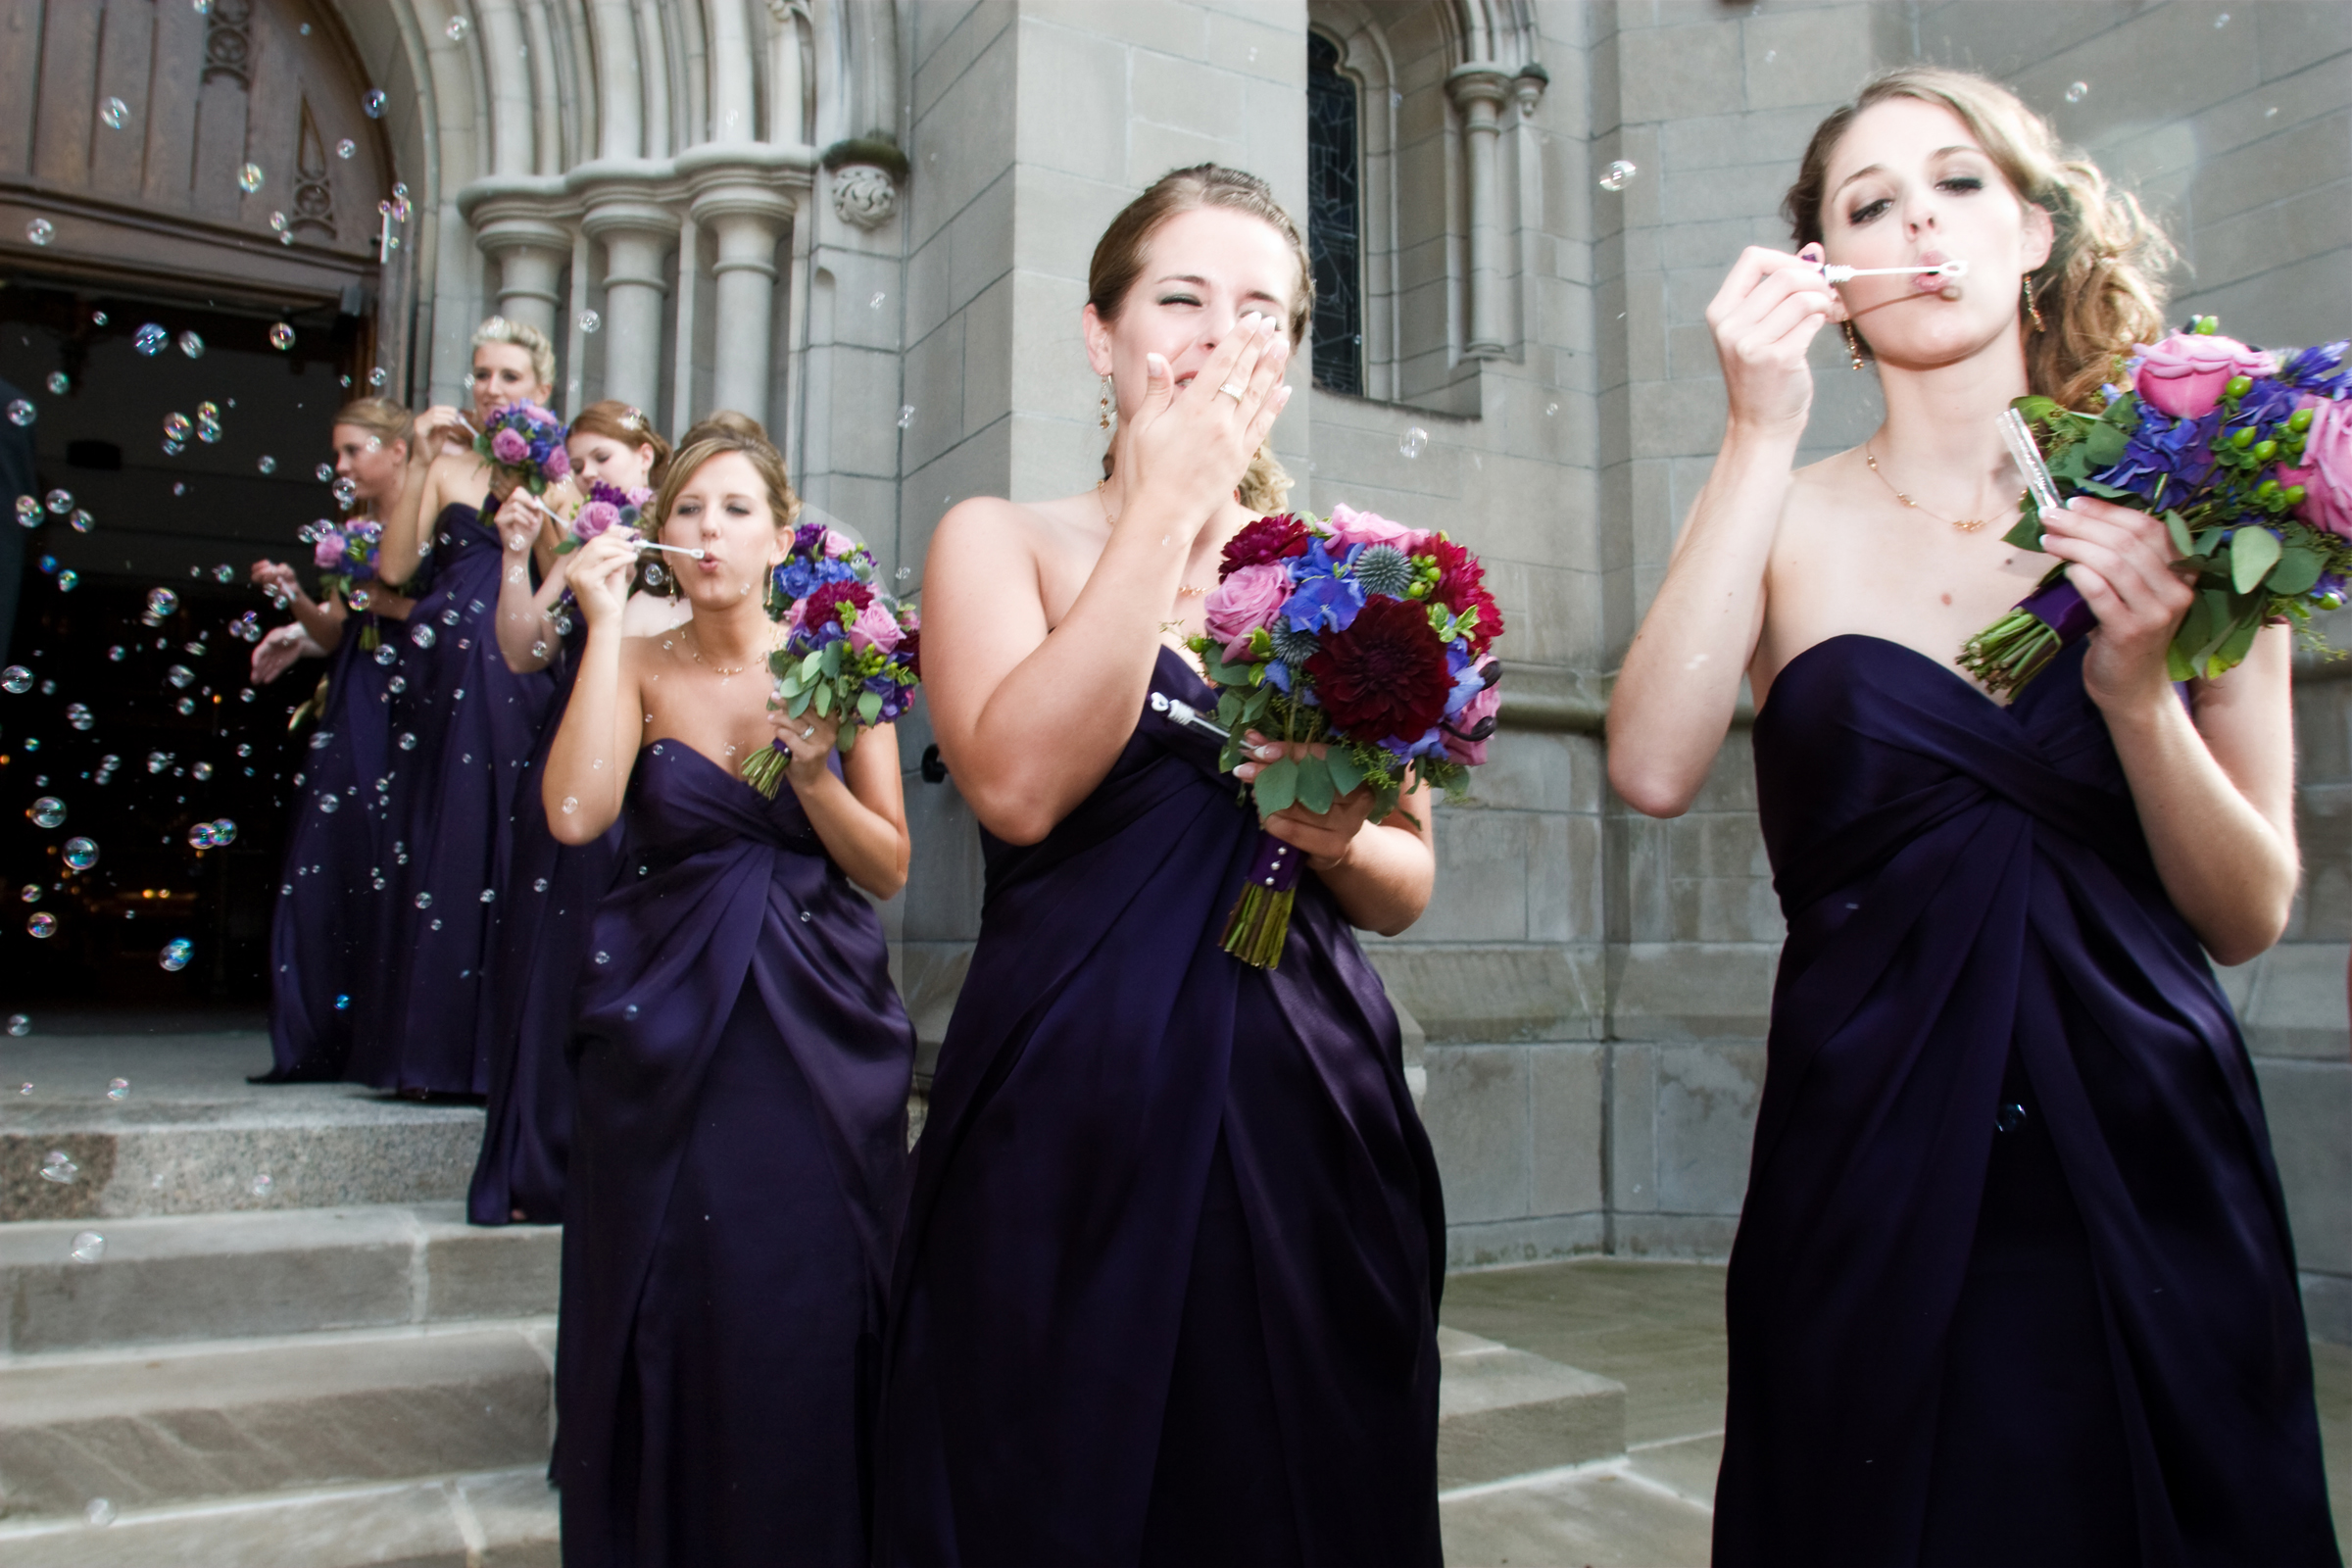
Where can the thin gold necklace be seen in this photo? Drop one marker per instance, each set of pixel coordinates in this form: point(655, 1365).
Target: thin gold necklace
point(1184, 590)
point(1964, 525)
point(694, 653)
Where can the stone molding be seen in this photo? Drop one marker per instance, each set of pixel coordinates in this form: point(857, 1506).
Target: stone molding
point(864, 196)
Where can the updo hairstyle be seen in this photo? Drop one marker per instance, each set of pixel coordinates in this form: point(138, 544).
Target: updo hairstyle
point(522, 335)
point(623, 422)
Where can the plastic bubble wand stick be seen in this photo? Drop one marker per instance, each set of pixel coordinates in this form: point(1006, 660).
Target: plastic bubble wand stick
point(1839, 275)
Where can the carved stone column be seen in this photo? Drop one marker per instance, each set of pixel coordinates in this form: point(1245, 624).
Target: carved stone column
point(531, 252)
point(637, 232)
point(1480, 91)
point(747, 221)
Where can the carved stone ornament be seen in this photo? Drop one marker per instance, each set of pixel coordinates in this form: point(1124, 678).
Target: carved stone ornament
point(863, 195)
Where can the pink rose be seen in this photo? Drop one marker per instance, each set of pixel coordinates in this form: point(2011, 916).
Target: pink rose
point(875, 627)
point(1352, 528)
point(508, 447)
point(2327, 472)
point(639, 496)
point(328, 551)
point(838, 544)
point(796, 616)
point(2184, 374)
point(595, 518)
point(1244, 602)
point(558, 463)
point(1483, 707)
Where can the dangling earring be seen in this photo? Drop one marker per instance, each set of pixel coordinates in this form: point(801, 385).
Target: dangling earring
point(1853, 346)
point(2032, 315)
point(1102, 413)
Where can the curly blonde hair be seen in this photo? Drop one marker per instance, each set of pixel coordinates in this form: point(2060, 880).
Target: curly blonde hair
point(2102, 289)
point(524, 336)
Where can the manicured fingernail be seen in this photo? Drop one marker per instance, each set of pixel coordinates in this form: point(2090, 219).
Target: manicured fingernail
point(1268, 753)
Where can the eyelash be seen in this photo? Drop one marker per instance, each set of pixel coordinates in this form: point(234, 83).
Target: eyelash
point(1962, 184)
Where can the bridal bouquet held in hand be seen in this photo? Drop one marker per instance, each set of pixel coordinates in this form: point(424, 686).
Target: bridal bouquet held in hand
point(345, 553)
point(1367, 640)
point(523, 444)
point(2246, 454)
point(851, 650)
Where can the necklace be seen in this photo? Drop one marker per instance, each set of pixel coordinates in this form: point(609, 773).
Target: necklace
point(695, 654)
point(1964, 525)
point(1184, 590)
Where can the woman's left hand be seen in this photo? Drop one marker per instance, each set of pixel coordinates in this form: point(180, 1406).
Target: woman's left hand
point(807, 740)
point(2120, 563)
point(1325, 835)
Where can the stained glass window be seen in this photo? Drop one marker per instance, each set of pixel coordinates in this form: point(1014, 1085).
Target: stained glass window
point(1334, 219)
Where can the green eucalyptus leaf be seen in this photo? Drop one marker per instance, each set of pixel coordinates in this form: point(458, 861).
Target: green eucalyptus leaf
point(824, 702)
point(2234, 647)
point(2178, 527)
point(2299, 566)
point(2176, 662)
point(1315, 791)
point(2104, 445)
point(1345, 773)
point(2253, 551)
point(797, 702)
point(2026, 534)
point(1277, 787)
point(870, 707)
point(848, 740)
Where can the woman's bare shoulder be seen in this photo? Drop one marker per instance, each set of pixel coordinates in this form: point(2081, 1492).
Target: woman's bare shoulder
point(991, 527)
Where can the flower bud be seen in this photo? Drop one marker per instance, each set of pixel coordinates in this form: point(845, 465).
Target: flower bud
point(2239, 386)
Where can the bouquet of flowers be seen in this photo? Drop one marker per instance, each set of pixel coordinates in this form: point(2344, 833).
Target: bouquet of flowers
point(523, 444)
point(850, 648)
point(606, 507)
point(345, 554)
point(2247, 457)
point(1366, 637)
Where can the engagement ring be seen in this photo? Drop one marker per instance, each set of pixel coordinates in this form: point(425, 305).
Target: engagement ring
point(1234, 390)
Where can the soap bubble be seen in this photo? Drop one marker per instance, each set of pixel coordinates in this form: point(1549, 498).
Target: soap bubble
point(330, 803)
point(249, 179)
point(80, 854)
point(150, 339)
point(325, 473)
point(1619, 174)
point(68, 580)
point(225, 832)
point(88, 1247)
point(208, 422)
point(40, 231)
point(118, 1090)
point(59, 383)
point(2077, 91)
point(278, 222)
point(345, 148)
point(97, 318)
point(162, 601)
point(32, 893)
point(378, 376)
point(22, 413)
point(1414, 441)
point(58, 1166)
point(374, 103)
point(571, 804)
point(48, 811)
point(202, 770)
point(176, 427)
point(905, 414)
point(176, 955)
point(489, 895)
point(200, 837)
point(408, 741)
point(100, 1513)
point(17, 679)
point(590, 322)
point(28, 511)
point(267, 464)
point(191, 345)
point(456, 30)
point(115, 114)
point(347, 490)
point(421, 635)
point(19, 1025)
point(81, 520)
point(262, 1185)
point(78, 716)
point(179, 675)
point(157, 762)
point(60, 502)
point(424, 901)
point(281, 337)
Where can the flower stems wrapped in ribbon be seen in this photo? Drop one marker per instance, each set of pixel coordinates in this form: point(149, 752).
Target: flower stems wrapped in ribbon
point(2247, 457)
point(1370, 642)
point(851, 649)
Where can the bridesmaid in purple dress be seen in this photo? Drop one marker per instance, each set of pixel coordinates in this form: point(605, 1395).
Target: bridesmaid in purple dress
point(324, 969)
point(554, 888)
point(2013, 1281)
point(739, 1152)
point(463, 731)
point(1168, 1286)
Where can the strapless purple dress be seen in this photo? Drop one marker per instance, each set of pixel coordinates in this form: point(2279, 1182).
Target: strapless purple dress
point(324, 967)
point(542, 942)
point(1168, 1287)
point(474, 722)
point(2013, 1281)
point(737, 1170)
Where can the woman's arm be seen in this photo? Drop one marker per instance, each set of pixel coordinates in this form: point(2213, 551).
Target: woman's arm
point(1381, 873)
point(526, 631)
point(1674, 699)
point(400, 550)
point(322, 624)
point(1030, 718)
point(862, 815)
point(596, 746)
point(2215, 791)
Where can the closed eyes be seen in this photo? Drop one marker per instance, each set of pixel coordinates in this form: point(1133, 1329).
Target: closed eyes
point(1872, 210)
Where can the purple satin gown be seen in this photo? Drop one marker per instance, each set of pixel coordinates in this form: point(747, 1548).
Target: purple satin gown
point(1168, 1288)
point(325, 968)
point(2013, 1281)
point(737, 1170)
point(542, 942)
point(474, 722)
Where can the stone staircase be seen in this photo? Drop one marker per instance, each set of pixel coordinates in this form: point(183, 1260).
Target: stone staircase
point(328, 1367)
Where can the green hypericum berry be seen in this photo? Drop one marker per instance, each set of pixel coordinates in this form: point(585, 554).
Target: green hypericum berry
point(2266, 450)
point(2239, 386)
point(2207, 325)
point(2243, 439)
point(2269, 488)
point(2299, 420)
point(2295, 494)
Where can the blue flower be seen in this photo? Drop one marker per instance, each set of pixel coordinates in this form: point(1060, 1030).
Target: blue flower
point(1323, 598)
point(2165, 449)
point(2325, 370)
point(795, 579)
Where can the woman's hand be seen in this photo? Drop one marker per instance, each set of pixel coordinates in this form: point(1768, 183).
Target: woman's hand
point(1763, 319)
point(600, 580)
point(1326, 837)
point(2121, 561)
point(437, 427)
point(277, 652)
point(278, 579)
point(1189, 448)
point(518, 518)
point(807, 740)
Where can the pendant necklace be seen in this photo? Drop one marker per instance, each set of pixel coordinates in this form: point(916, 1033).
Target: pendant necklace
point(1964, 525)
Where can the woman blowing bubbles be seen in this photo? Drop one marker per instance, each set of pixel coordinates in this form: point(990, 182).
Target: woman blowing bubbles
point(743, 1063)
point(2013, 1281)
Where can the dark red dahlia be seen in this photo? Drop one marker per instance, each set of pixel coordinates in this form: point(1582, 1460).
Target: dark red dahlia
point(911, 649)
point(1462, 585)
point(1275, 538)
point(1384, 677)
point(824, 602)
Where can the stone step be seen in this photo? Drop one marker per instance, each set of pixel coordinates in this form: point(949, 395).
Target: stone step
point(1505, 1412)
point(163, 1280)
point(503, 1519)
point(158, 1428)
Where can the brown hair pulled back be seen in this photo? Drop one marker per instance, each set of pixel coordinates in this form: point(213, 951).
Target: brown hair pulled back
point(388, 422)
point(627, 424)
point(706, 441)
point(2101, 290)
point(1120, 260)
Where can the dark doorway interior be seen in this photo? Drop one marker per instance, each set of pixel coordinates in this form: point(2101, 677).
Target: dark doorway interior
point(106, 729)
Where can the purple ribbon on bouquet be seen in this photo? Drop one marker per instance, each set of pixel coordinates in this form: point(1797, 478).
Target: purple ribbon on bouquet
point(2060, 607)
point(1275, 866)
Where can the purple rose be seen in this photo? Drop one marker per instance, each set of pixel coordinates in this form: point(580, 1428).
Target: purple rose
point(1244, 601)
point(595, 518)
point(875, 627)
point(557, 464)
point(508, 447)
point(2184, 374)
point(328, 551)
point(2327, 472)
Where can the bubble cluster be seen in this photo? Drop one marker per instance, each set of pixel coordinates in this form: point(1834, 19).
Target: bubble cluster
point(208, 422)
point(176, 955)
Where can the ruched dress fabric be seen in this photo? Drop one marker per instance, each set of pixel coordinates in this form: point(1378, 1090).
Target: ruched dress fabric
point(2013, 1281)
point(1168, 1288)
point(476, 723)
point(738, 1167)
point(542, 924)
point(325, 968)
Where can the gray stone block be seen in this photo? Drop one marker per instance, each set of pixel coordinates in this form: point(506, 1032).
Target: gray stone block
point(1505, 1412)
point(474, 1272)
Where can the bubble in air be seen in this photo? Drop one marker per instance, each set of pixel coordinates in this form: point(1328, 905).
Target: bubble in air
point(68, 580)
point(2075, 92)
point(113, 114)
point(19, 1025)
point(330, 803)
point(571, 804)
point(80, 854)
point(346, 491)
point(1619, 174)
point(263, 1186)
point(179, 675)
point(60, 502)
point(249, 179)
point(325, 473)
point(590, 322)
point(905, 414)
point(267, 464)
point(224, 831)
point(16, 679)
point(78, 716)
point(378, 376)
point(22, 413)
point(161, 602)
point(1413, 442)
point(489, 895)
point(455, 31)
point(118, 1090)
point(48, 811)
point(88, 1247)
point(81, 520)
point(176, 954)
point(59, 383)
point(408, 741)
point(58, 1166)
point(40, 231)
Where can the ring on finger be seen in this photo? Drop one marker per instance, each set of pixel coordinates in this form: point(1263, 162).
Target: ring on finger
point(809, 731)
point(1232, 390)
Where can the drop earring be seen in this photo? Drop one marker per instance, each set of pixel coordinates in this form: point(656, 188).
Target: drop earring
point(1102, 411)
point(2025, 289)
point(1853, 345)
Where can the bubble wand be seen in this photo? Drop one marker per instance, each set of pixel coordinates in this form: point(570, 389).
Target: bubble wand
point(1839, 275)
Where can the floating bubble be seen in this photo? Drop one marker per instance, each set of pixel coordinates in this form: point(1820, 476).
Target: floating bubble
point(176, 955)
point(489, 895)
point(19, 1025)
point(604, 958)
point(16, 679)
point(408, 741)
point(58, 1166)
point(905, 414)
point(208, 422)
point(325, 473)
point(179, 675)
point(88, 1247)
point(330, 803)
point(157, 762)
point(68, 580)
point(278, 222)
point(347, 492)
point(100, 1513)
point(378, 376)
point(421, 635)
point(118, 1090)
point(150, 339)
point(424, 901)
point(162, 601)
point(22, 413)
point(41, 926)
point(281, 337)
point(202, 770)
point(590, 322)
point(80, 854)
point(40, 231)
point(539, 886)
point(2077, 91)
point(571, 804)
point(78, 716)
point(267, 464)
point(59, 383)
point(450, 616)
point(200, 837)
point(346, 148)
point(225, 832)
point(97, 318)
point(374, 103)
point(249, 179)
point(186, 705)
point(81, 520)
point(1413, 442)
point(60, 502)
point(343, 1003)
point(32, 893)
point(28, 511)
point(48, 811)
point(1619, 174)
point(113, 114)
point(262, 1185)
point(176, 427)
